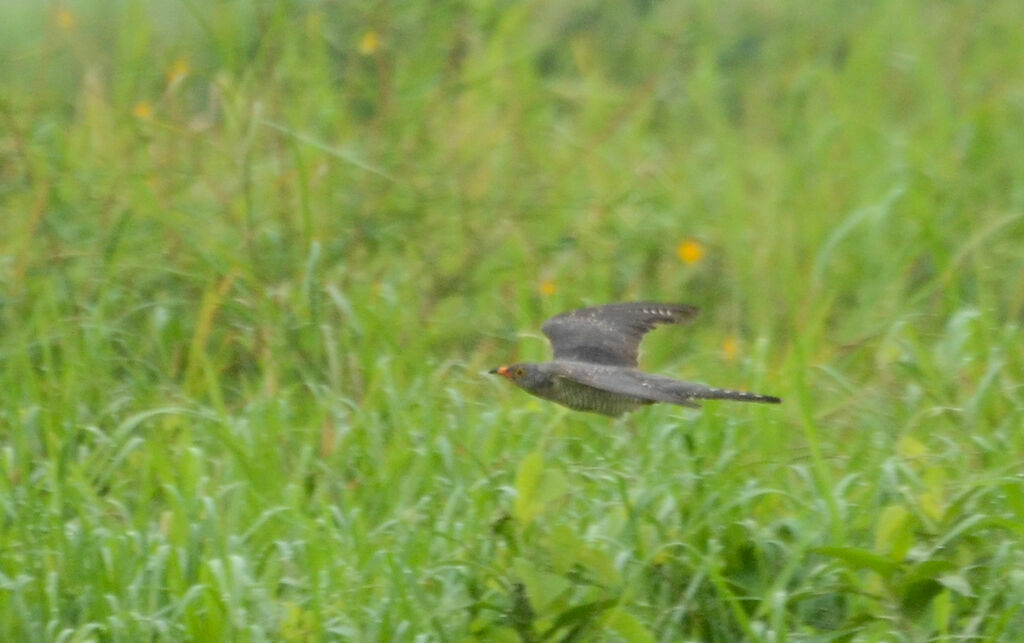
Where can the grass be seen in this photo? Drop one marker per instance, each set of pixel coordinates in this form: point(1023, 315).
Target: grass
point(255, 260)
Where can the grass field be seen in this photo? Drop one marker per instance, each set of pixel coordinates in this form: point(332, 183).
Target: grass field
point(256, 259)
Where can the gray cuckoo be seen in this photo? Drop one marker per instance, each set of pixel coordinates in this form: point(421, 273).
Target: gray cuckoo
point(595, 363)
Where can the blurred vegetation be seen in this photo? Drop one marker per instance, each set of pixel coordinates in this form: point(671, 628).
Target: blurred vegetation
point(255, 258)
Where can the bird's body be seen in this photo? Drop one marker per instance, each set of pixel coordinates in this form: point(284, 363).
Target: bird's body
point(559, 386)
point(595, 364)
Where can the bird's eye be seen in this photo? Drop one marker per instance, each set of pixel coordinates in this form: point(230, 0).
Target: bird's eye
point(520, 371)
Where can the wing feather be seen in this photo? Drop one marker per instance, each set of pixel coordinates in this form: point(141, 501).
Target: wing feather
point(624, 381)
point(610, 334)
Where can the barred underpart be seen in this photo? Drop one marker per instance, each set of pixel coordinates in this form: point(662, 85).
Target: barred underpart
point(581, 397)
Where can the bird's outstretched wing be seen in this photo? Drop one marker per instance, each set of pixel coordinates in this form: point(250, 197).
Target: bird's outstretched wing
point(610, 334)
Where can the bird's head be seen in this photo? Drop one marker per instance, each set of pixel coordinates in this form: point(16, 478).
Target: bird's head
point(528, 376)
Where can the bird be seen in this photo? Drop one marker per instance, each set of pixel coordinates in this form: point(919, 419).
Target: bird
point(595, 363)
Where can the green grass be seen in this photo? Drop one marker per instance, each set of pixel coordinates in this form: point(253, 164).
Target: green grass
point(253, 269)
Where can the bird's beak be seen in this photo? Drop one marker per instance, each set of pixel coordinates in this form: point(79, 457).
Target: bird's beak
point(501, 370)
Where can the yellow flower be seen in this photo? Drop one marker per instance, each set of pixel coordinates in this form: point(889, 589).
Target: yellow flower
point(65, 19)
point(731, 348)
point(178, 70)
point(547, 287)
point(369, 43)
point(690, 251)
point(143, 110)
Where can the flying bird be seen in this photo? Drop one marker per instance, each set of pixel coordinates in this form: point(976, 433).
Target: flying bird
point(595, 362)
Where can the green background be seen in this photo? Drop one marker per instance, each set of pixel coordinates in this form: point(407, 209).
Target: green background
point(256, 258)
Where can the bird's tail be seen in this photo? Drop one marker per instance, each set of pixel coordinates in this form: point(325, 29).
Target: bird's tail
point(700, 392)
point(709, 393)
